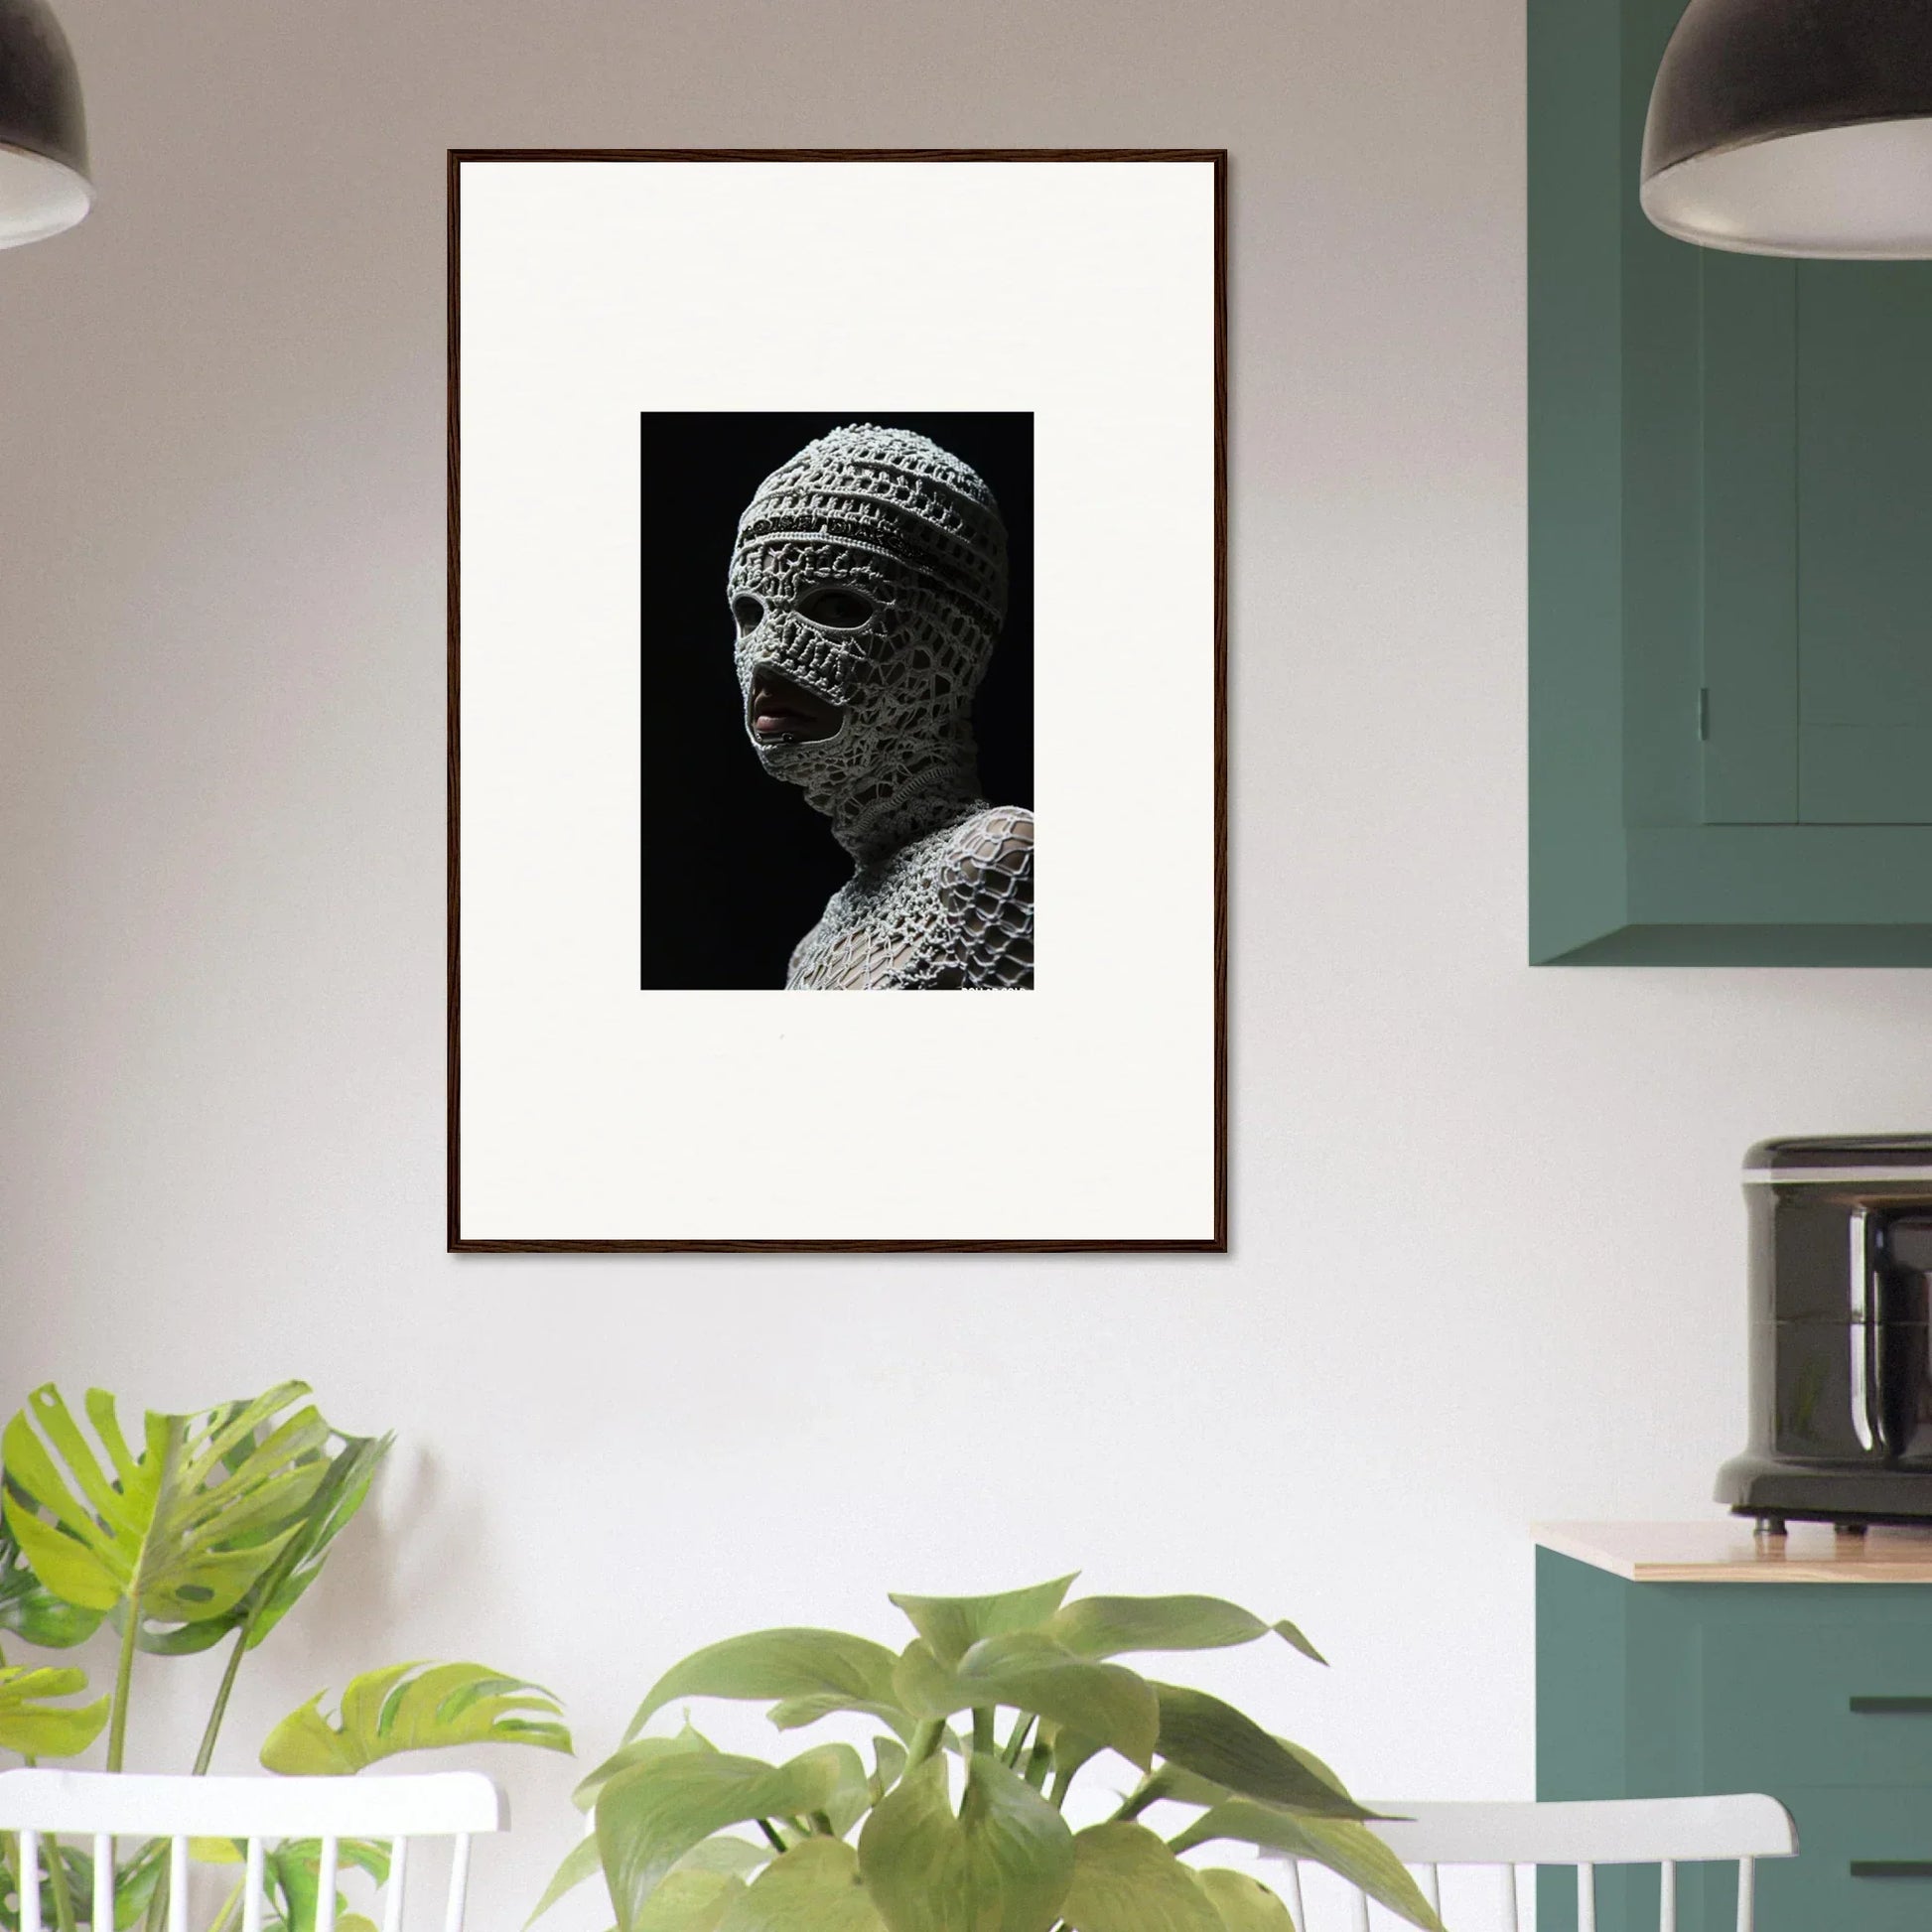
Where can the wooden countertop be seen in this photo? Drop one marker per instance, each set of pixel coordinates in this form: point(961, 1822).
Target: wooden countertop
point(1723, 1550)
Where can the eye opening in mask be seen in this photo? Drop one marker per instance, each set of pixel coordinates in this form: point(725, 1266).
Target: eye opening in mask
point(747, 612)
point(836, 607)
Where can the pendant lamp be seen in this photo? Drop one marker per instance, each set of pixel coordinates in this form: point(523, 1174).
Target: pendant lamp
point(44, 185)
point(1795, 127)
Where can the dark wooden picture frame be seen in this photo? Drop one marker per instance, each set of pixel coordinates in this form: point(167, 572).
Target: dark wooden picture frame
point(1211, 1243)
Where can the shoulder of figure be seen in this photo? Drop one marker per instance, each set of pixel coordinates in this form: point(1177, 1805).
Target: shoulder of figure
point(997, 841)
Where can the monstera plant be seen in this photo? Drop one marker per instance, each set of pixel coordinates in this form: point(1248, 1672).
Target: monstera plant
point(205, 1528)
point(954, 1819)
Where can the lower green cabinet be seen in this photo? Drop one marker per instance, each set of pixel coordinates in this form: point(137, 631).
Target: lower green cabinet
point(1819, 1694)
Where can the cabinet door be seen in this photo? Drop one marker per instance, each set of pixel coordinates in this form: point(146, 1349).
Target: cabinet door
point(1816, 395)
point(1865, 543)
point(1730, 562)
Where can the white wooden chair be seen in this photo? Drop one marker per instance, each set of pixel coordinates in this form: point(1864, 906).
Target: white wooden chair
point(99, 1808)
point(1664, 1832)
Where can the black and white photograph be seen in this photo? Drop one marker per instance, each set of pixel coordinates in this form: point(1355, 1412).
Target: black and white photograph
point(850, 626)
point(837, 735)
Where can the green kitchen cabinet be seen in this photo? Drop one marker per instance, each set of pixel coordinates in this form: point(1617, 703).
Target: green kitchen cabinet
point(1819, 1693)
point(1730, 562)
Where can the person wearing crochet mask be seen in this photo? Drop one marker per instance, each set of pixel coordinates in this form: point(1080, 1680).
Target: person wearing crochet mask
point(867, 586)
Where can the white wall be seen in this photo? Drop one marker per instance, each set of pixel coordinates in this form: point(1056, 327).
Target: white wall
point(1488, 1248)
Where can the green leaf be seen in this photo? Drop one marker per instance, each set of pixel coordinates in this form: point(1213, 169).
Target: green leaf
point(1107, 1627)
point(1126, 1880)
point(1171, 1782)
point(31, 1611)
point(1203, 1735)
point(652, 1814)
point(690, 1900)
point(343, 1489)
point(889, 1760)
point(1341, 1845)
point(639, 1751)
point(413, 1708)
point(793, 1713)
point(179, 1531)
point(775, 1664)
point(1070, 1752)
point(726, 1852)
point(1294, 1639)
point(35, 1728)
point(579, 1862)
point(953, 1625)
point(1031, 1672)
point(1244, 1904)
point(815, 1887)
point(292, 1878)
point(1003, 1865)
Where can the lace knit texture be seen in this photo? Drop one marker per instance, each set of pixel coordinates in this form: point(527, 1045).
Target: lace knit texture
point(941, 895)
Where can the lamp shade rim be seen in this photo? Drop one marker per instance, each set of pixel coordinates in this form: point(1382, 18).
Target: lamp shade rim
point(1656, 165)
point(1847, 193)
point(41, 195)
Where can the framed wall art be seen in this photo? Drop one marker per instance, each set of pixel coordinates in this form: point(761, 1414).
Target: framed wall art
point(837, 609)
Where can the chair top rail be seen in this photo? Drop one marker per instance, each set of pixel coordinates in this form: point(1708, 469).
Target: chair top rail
point(1608, 1830)
point(420, 1804)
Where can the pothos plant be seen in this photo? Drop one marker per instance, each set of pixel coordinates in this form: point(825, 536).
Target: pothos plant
point(1018, 1688)
point(209, 1528)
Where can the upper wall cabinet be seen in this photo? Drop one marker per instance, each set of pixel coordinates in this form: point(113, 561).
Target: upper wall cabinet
point(1730, 562)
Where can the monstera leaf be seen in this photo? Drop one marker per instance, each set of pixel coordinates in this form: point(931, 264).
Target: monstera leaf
point(31, 1611)
point(292, 1878)
point(34, 1725)
point(342, 1491)
point(414, 1706)
point(178, 1533)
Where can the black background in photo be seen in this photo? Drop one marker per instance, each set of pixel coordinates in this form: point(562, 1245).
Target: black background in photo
point(737, 867)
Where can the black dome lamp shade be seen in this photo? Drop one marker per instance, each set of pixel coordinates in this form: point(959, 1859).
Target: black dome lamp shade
point(44, 185)
point(1795, 127)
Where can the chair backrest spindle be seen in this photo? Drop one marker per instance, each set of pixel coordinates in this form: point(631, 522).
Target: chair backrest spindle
point(30, 1881)
point(1295, 1910)
point(1747, 1893)
point(178, 1884)
point(325, 1884)
point(1586, 1898)
point(251, 1896)
point(104, 1879)
point(398, 1885)
point(458, 1884)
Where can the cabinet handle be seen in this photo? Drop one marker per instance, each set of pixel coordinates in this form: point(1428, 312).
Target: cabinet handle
point(1894, 1707)
point(1891, 1868)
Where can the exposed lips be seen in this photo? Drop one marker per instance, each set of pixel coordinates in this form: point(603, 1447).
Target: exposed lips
point(783, 709)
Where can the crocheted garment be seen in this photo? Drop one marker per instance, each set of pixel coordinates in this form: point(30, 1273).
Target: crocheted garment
point(870, 571)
